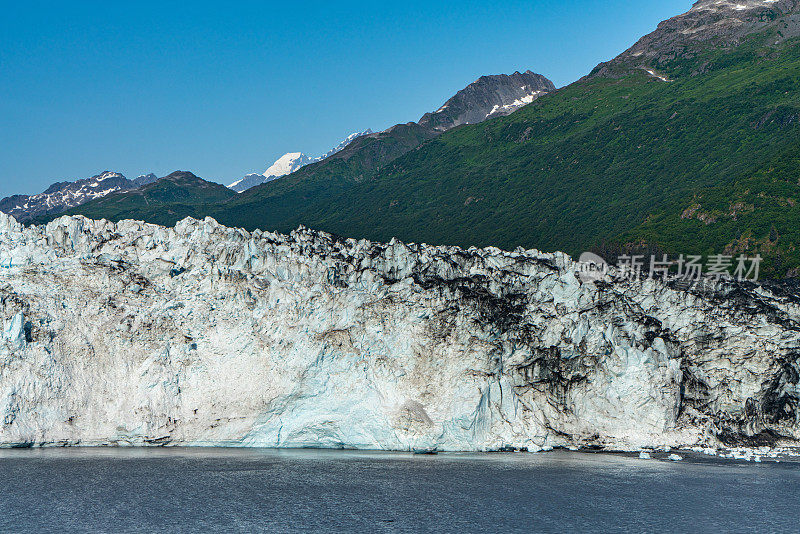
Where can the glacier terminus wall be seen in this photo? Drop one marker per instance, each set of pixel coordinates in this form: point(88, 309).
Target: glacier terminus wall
point(135, 334)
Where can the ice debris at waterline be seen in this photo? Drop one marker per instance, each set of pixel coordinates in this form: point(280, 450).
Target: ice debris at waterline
point(132, 333)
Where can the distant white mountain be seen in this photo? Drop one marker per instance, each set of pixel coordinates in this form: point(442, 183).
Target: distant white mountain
point(341, 146)
point(249, 180)
point(286, 164)
point(289, 163)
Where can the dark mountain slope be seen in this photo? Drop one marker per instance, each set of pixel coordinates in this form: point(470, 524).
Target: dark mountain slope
point(685, 143)
point(174, 197)
point(62, 196)
point(702, 163)
point(486, 98)
point(283, 202)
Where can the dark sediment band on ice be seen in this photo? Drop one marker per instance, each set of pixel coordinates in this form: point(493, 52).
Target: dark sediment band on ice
point(132, 333)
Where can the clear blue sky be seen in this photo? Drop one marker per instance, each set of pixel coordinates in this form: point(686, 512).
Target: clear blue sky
point(223, 89)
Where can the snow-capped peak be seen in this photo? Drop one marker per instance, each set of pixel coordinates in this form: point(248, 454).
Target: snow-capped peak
point(289, 163)
point(62, 196)
point(736, 5)
point(286, 164)
point(341, 146)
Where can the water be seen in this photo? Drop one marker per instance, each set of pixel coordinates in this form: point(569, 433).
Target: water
point(232, 490)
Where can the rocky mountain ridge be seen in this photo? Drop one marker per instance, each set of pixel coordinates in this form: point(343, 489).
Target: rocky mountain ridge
point(145, 179)
point(136, 334)
point(62, 196)
point(289, 163)
point(175, 196)
point(488, 97)
point(723, 23)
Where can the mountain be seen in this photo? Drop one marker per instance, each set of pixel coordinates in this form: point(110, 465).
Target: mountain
point(717, 23)
point(174, 197)
point(145, 179)
point(488, 97)
point(286, 164)
point(341, 146)
point(276, 202)
point(249, 180)
point(290, 162)
point(354, 159)
point(687, 143)
point(62, 196)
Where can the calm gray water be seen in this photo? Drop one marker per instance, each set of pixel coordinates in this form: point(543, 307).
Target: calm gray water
point(230, 490)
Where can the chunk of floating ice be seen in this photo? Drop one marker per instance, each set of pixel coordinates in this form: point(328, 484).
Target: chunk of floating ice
point(644, 455)
point(675, 457)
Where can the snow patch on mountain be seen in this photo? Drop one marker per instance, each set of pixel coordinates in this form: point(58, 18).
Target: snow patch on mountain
point(488, 97)
point(735, 5)
point(507, 109)
point(62, 196)
point(289, 163)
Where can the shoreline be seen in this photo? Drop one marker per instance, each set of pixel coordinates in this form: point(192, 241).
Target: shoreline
point(722, 456)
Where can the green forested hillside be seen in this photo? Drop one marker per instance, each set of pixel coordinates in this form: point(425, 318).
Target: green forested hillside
point(706, 162)
point(702, 164)
point(170, 199)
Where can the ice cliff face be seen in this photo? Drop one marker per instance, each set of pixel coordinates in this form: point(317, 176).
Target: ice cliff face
point(132, 333)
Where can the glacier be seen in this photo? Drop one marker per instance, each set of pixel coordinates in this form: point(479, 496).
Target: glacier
point(136, 334)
